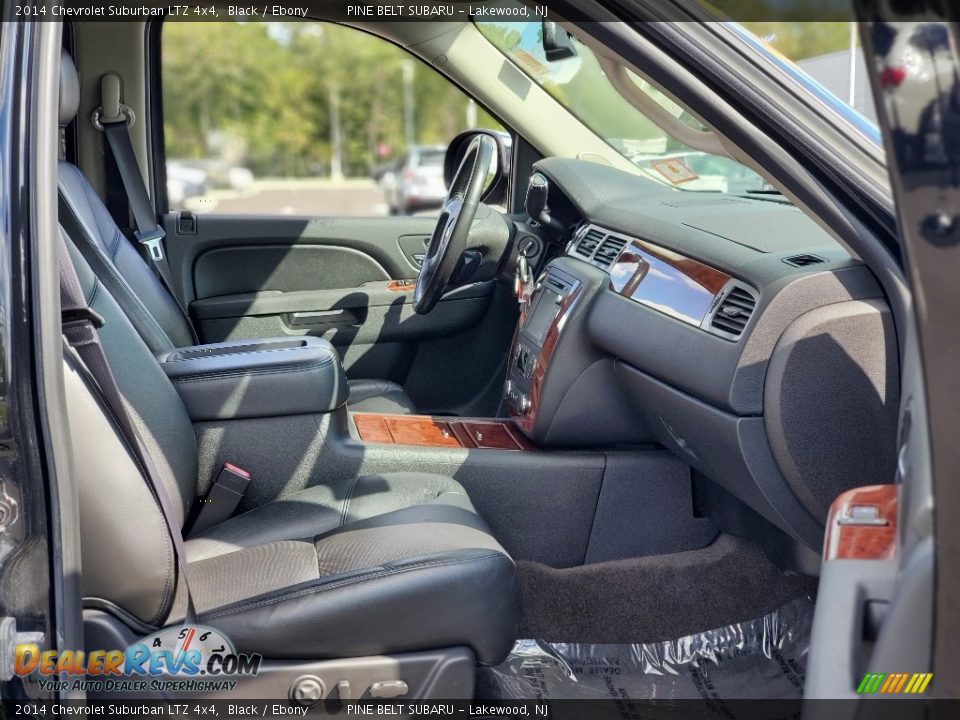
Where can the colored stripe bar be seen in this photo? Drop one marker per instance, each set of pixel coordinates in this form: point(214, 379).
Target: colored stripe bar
point(894, 683)
point(870, 683)
point(903, 679)
point(914, 682)
point(890, 685)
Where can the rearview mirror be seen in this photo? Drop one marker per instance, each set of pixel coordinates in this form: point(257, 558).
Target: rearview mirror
point(556, 42)
point(495, 189)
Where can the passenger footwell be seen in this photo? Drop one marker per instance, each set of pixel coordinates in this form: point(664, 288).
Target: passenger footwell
point(763, 658)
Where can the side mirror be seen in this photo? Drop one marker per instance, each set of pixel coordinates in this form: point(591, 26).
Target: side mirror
point(495, 189)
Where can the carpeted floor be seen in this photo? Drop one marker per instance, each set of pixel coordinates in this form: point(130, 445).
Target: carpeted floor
point(654, 598)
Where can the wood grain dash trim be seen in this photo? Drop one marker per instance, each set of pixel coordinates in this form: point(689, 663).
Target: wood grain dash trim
point(427, 431)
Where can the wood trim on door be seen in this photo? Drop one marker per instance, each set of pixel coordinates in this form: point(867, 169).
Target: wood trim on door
point(867, 538)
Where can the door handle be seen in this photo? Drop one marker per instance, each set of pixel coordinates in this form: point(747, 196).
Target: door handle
point(310, 318)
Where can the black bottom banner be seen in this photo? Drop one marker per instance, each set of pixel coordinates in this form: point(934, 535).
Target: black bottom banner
point(862, 709)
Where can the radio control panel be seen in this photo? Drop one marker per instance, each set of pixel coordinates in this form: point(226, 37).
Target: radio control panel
point(538, 331)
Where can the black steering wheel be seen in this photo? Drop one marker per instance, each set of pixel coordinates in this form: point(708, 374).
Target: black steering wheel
point(449, 238)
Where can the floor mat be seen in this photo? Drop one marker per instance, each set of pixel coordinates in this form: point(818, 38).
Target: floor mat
point(760, 658)
point(660, 597)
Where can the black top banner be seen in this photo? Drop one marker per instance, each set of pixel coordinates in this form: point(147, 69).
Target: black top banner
point(355, 11)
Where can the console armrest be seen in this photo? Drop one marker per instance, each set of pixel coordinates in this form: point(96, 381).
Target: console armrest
point(257, 378)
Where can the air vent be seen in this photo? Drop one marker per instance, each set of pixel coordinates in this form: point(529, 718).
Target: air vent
point(734, 312)
point(589, 242)
point(609, 251)
point(803, 260)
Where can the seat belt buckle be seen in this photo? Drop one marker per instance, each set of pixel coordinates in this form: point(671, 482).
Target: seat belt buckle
point(222, 499)
point(153, 241)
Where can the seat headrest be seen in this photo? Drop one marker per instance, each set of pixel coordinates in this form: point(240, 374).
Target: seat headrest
point(69, 89)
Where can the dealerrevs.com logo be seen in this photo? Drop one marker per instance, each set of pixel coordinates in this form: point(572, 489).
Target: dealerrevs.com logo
point(187, 658)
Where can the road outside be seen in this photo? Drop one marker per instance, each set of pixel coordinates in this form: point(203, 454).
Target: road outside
point(350, 197)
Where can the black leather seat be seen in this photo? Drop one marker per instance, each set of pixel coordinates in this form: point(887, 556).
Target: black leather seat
point(363, 566)
point(140, 293)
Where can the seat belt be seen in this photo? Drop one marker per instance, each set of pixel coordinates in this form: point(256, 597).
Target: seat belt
point(114, 119)
point(133, 307)
point(80, 323)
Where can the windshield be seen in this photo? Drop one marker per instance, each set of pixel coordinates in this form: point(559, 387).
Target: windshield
point(580, 85)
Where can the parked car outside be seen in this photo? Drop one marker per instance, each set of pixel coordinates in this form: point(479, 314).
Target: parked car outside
point(184, 182)
point(415, 182)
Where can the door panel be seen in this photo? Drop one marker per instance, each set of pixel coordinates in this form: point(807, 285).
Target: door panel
point(374, 242)
point(248, 277)
point(414, 248)
point(251, 268)
point(365, 314)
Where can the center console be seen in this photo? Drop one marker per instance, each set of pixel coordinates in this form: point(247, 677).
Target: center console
point(560, 390)
point(531, 393)
point(268, 377)
point(538, 332)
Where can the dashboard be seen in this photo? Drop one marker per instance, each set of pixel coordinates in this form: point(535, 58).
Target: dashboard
point(733, 331)
point(663, 280)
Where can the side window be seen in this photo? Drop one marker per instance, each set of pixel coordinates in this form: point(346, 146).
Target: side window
point(304, 118)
